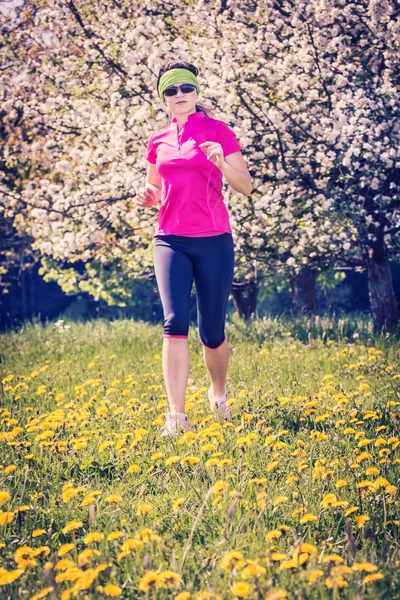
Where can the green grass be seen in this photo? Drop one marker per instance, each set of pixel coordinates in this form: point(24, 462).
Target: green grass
point(314, 403)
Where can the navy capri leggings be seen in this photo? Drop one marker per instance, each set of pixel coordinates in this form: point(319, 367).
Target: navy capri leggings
point(209, 261)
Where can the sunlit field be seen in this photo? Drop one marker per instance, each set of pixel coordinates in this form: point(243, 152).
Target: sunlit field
point(297, 497)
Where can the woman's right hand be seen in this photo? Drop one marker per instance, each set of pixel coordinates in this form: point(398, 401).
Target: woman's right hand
point(146, 197)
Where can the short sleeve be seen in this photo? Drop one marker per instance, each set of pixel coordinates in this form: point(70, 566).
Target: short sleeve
point(151, 155)
point(228, 140)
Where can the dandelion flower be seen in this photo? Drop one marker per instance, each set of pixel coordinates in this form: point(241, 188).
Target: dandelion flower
point(183, 596)
point(150, 581)
point(133, 469)
point(361, 520)
point(114, 498)
point(314, 575)
point(364, 566)
point(7, 577)
point(177, 504)
point(37, 532)
point(307, 518)
point(71, 526)
point(65, 548)
point(6, 517)
point(114, 535)
point(4, 497)
point(170, 578)
point(373, 577)
point(230, 559)
point(143, 509)
point(93, 537)
point(240, 589)
point(45, 592)
point(112, 590)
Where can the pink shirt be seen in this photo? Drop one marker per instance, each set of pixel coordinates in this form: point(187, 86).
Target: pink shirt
point(192, 203)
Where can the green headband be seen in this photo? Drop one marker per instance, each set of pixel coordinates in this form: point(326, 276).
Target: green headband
point(174, 76)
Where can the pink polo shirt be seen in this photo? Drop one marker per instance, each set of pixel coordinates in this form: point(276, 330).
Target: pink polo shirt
point(192, 203)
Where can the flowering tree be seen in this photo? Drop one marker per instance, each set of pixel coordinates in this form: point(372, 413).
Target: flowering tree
point(319, 81)
point(310, 89)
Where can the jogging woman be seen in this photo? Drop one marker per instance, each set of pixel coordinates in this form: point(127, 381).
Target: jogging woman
point(187, 159)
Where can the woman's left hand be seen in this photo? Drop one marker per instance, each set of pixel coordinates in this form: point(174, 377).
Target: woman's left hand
point(214, 152)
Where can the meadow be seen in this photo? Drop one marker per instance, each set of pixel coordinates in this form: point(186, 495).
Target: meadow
point(297, 497)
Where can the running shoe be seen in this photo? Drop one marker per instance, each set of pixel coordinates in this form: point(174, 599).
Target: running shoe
point(175, 423)
point(219, 405)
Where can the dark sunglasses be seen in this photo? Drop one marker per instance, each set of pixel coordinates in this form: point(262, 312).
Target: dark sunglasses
point(186, 88)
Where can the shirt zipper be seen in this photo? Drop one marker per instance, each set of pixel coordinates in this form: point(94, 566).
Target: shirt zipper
point(178, 152)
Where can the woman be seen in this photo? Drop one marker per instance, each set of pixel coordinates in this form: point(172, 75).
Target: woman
point(193, 239)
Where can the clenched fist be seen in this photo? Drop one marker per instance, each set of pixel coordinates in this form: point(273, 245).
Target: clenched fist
point(146, 197)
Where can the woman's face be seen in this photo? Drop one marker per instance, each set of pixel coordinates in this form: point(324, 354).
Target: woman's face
point(181, 103)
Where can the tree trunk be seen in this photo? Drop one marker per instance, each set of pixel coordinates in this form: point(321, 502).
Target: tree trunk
point(380, 286)
point(304, 292)
point(245, 298)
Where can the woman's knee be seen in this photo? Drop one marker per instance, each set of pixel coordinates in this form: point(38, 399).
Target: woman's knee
point(212, 341)
point(176, 325)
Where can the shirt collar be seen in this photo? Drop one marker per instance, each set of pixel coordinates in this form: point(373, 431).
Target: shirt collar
point(191, 117)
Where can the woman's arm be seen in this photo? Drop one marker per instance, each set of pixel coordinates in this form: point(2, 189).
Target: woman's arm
point(236, 173)
point(153, 181)
point(232, 166)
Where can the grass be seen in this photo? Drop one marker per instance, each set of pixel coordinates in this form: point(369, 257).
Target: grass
point(296, 498)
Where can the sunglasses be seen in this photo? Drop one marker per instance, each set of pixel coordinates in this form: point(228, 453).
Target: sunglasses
point(186, 88)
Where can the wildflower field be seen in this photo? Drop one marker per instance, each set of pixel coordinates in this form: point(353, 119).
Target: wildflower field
point(297, 497)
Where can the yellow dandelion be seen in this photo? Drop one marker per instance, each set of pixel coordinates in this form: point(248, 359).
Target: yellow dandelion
point(69, 493)
point(71, 526)
point(274, 534)
point(191, 460)
point(112, 590)
point(230, 559)
point(307, 518)
point(37, 532)
point(114, 535)
point(156, 455)
point(88, 500)
point(45, 592)
point(65, 548)
point(314, 575)
point(361, 520)
point(177, 504)
point(150, 581)
point(240, 589)
point(328, 500)
point(144, 509)
point(133, 469)
point(364, 566)
point(373, 577)
point(94, 536)
point(372, 471)
point(280, 500)
point(4, 497)
point(6, 517)
point(170, 579)
point(183, 596)
point(114, 498)
point(7, 577)
point(278, 556)
point(351, 510)
point(341, 483)
point(63, 564)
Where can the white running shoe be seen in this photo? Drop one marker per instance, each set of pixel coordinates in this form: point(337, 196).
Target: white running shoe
point(219, 405)
point(175, 423)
